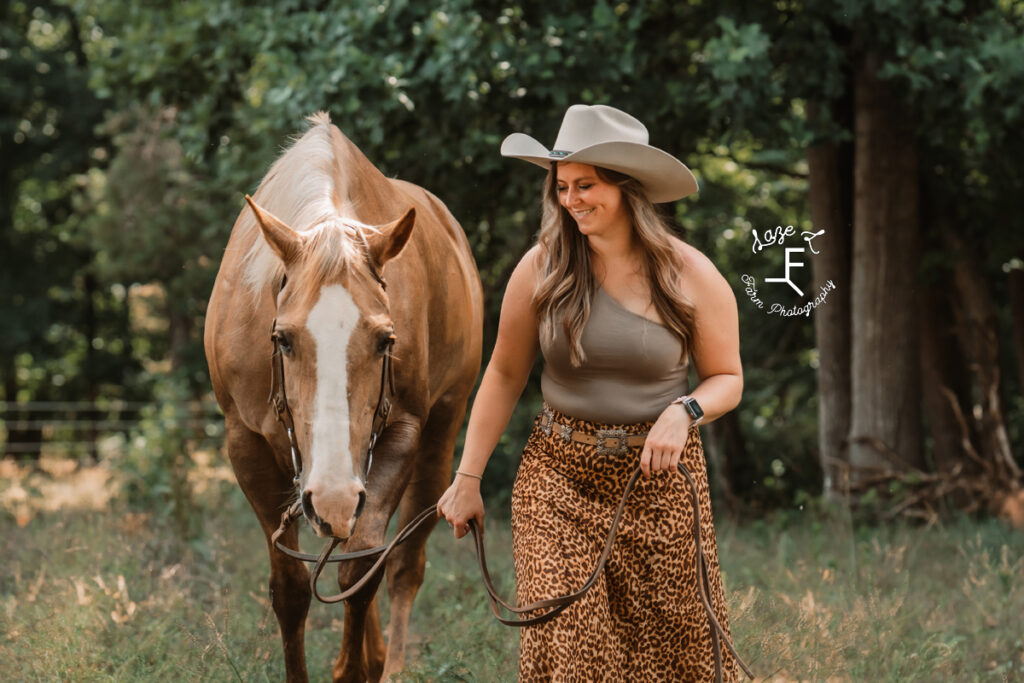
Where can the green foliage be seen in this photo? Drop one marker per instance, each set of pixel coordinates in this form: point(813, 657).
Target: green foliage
point(152, 220)
point(51, 310)
point(130, 132)
point(155, 464)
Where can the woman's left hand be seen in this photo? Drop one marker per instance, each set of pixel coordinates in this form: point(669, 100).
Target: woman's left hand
point(666, 440)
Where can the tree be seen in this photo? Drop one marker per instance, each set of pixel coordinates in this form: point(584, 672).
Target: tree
point(927, 96)
point(55, 317)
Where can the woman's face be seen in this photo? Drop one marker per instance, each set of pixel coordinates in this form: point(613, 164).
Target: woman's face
point(596, 205)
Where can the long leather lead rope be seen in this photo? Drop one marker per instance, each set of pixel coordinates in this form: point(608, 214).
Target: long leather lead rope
point(554, 606)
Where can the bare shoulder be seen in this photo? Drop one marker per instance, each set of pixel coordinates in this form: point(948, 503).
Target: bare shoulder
point(700, 275)
point(517, 325)
point(524, 279)
point(716, 348)
point(528, 269)
point(531, 258)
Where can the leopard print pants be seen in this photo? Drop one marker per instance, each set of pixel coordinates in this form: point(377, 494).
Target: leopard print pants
point(643, 620)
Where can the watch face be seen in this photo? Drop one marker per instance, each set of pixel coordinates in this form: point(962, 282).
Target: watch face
point(694, 408)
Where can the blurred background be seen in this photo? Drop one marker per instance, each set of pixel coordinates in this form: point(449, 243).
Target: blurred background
point(130, 131)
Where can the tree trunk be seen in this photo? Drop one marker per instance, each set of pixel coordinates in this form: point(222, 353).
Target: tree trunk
point(945, 382)
point(1015, 285)
point(885, 428)
point(727, 450)
point(180, 326)
point(19, 438)
point(831, 176)
point(90, 332)
point(945, 378)
point(977, 328)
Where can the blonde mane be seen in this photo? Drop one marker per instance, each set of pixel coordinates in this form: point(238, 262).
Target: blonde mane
point(301, 189)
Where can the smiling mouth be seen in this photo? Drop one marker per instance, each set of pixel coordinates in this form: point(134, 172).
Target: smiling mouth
point(581, 214)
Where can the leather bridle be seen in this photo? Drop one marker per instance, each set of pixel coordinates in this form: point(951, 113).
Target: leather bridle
point(279, 397)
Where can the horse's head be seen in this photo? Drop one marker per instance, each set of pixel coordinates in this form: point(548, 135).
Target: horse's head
point(333, 329)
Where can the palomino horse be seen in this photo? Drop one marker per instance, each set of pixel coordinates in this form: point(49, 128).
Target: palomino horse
point(309, 259)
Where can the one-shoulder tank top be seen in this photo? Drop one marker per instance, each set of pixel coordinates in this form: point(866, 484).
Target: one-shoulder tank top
point(633, 367)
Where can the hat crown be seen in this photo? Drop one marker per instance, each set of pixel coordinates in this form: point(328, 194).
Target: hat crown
point(583, 126)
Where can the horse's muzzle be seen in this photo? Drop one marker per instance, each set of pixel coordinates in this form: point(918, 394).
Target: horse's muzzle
point(329, 517)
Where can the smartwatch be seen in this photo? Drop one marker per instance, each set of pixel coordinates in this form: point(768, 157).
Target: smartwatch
point(692, 407)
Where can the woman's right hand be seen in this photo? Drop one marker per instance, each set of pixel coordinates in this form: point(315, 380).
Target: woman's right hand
point(461, 503)
point(502, 384)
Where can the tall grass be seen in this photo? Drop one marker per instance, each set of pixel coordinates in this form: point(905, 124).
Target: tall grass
point(115, 596)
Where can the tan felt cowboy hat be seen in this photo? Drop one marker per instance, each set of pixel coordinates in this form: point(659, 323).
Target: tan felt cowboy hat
point(604, 136)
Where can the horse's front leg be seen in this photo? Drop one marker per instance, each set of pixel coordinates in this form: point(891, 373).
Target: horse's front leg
point(405, 575)
point(363, 651)
point(290, 597)
point(407, 565)
point(269, 491)
point(353, 664)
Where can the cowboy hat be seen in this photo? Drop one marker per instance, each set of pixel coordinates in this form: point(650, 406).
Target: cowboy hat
point(604, 136)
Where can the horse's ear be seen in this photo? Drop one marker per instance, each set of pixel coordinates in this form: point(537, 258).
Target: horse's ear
point(282, 239)
point(389, 242)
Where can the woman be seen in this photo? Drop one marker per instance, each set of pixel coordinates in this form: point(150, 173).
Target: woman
point(616, 304)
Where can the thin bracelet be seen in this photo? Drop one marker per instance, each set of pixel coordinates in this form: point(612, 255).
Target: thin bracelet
point(467, 474)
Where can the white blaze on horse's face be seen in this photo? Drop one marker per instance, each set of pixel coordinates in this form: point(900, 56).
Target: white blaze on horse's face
point(334, 489)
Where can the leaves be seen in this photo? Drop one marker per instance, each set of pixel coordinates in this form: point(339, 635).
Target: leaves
point(140, 126)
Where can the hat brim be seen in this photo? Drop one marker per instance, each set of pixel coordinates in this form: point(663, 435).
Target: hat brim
point(664, 178)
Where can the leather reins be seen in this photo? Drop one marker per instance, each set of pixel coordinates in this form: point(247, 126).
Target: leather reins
point(554, 606)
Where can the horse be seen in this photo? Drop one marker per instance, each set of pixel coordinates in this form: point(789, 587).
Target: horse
point(333, 272)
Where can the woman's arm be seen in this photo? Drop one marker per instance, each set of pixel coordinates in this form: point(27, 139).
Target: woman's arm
point(716, 357)
point(504, 379)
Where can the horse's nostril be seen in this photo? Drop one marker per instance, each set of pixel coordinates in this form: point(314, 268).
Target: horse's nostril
point(311, 515)
point(359, 505)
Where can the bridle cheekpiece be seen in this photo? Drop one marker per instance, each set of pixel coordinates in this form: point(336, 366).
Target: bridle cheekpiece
point(279, 397)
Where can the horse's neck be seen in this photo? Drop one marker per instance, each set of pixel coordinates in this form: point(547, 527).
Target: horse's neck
point(361, 191)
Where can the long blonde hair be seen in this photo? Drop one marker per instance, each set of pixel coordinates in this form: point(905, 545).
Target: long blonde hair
point(567, 283)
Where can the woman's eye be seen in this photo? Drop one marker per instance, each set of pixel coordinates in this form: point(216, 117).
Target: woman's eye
point(561, 189)
point(585, 187)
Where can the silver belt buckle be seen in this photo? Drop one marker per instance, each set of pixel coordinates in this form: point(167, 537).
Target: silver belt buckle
point(547, 418)
point(619, 435)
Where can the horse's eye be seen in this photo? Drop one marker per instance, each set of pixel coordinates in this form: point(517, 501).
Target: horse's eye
point(384, 342)
point(284, 342)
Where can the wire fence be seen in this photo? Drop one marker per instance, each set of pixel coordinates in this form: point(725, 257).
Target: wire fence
point(83, 429)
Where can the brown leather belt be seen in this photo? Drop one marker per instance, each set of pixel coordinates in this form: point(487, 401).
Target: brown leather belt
point(608, 441)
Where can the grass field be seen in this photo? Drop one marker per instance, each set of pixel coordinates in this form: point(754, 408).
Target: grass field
point(110, 595)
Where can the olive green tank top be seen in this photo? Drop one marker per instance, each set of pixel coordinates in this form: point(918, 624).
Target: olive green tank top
point(632, 370)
